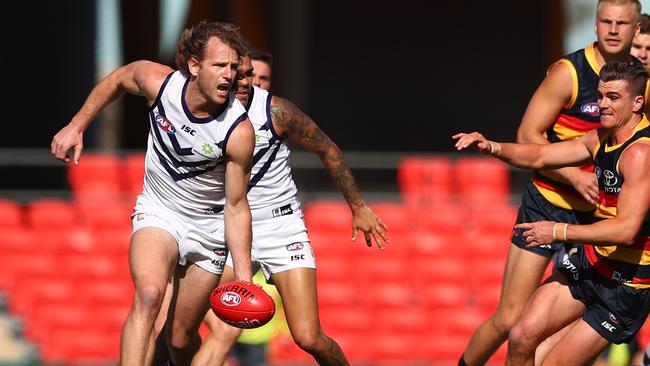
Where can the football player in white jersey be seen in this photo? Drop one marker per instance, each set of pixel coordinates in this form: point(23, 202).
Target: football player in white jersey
point(280, 243)
point(262, 68)
point(194, 197)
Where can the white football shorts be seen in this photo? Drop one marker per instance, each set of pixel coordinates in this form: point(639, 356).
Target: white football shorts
point(280, 241)
point(206, 250)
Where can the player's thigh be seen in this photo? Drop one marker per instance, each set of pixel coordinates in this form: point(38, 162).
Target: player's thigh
point(297, 288)
point(152, 256)
point(193, 287)
point(550, 309)
point(579, 347)
point(522, 276)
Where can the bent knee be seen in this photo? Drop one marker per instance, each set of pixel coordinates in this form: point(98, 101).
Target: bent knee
point(222, 331)
point(310, 341)
point(181, 340)
point(504, 321)
point(524, 337)
point(149, 297)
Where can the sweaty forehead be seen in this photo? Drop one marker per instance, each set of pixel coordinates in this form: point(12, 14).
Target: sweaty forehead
point(216, 50)
point(612, 86)
point(616, 11)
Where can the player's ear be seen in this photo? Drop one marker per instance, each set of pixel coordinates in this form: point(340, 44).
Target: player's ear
point(639, 101)
point(193, 66)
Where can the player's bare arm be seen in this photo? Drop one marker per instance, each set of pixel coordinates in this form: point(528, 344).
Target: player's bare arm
point(633, 202)
point(237, 214)
point(140, 78)
point(553, 94)
point(290, 122)
point(531, 155)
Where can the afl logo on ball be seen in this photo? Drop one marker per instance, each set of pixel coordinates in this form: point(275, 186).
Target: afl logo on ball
point(230, 298)
point(165, 125)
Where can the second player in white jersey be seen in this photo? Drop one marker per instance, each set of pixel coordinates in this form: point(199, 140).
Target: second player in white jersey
point(280, 242)
point(271, 180)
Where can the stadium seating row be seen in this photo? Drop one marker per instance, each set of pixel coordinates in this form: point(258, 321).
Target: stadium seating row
point(431, 180)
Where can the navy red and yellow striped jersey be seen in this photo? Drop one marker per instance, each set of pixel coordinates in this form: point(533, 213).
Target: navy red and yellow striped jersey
point(630, 263)
point(579, 116)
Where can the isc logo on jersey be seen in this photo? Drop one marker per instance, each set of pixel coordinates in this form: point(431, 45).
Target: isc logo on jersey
point(164, 124)
point(230, 298)
point(590, 109)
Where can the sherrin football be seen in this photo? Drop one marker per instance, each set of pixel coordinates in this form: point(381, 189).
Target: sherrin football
point(242, 304)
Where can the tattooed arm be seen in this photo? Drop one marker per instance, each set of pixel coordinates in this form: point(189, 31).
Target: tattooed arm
point(290, 122)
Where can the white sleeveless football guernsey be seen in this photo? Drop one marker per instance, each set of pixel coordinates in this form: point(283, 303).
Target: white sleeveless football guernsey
point(280, 241)
point(271, 182)
point(185, 159)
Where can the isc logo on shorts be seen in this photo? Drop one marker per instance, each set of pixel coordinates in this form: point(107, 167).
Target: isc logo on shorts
point(281, 211)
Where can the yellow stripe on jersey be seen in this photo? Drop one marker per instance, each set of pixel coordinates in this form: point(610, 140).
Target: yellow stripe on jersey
point(564, 201)
point(624, 254)
point(605, 212)
point(565, 133)
point(590, 54)
point(574, 87)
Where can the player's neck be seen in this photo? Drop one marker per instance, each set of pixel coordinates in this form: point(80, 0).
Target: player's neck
point(198, 104)
point(622, 133)
point(604, 58)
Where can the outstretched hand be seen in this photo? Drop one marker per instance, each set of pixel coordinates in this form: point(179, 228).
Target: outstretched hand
point(586, 184)
point(366, 220)
point(475, 140)
point(537, 233)
point(68, 141)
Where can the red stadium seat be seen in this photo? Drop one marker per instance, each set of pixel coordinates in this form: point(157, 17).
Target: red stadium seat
point(425, 180)
point(325, 216)
point(90, 266)
point(443, 349)
point(134, 165)
point(482, 180)
point(98, 177)
point(382, 268)
point(105, 215)
point(396, 215)
point(346, 318)
point(355, 345)
point(408, 320)
point(397, 348)
point(29, 293)
point(16, 240)
point(440, 295)
point(11, 214)
point(450, 219)
point(492, 246)
point(27, 265)
point(51, 214)
point(496, 219)
point(336, 293)
point(81, 346)
point(440, 270)
point(392, 295)
point(433, 244)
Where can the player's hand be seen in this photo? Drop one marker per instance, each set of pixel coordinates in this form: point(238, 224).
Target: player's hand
point(586, 183)
point(475, 140)
point(537, 233)
point(365, 219)
point(68, 143)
